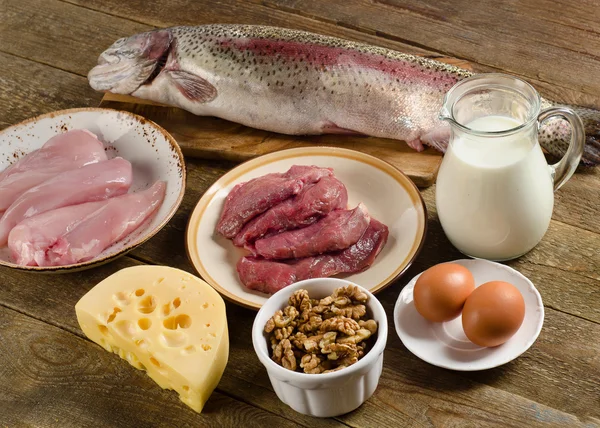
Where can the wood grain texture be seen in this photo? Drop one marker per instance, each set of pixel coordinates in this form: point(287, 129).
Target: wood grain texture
point(29, 89)
point(57, 309)
point(64, 36)
point(502, 37)
point(58, 374)
point(47, 50)
point(403, 373)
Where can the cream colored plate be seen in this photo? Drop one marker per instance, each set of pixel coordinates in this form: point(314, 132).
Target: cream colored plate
point(389, 195)
point(152, 151)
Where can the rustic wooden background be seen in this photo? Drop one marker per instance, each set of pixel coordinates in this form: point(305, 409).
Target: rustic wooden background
point(50, 375)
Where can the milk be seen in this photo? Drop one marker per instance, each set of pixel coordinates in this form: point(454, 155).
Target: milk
point(495, 195)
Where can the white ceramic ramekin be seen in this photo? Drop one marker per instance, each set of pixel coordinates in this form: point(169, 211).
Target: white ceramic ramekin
point(330, 394)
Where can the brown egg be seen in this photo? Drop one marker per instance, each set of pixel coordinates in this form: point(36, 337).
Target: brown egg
point(441, 291)
point(493, 313)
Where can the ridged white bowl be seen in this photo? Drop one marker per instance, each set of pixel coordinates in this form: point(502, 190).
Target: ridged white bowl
point(330, 394)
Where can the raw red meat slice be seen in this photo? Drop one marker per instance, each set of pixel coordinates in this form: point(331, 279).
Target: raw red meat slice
point(313, 202)
point(94, 182)
point(247, 200)
point(338, 230)
point(61, 153)
point(270, 276)
point(80, 232)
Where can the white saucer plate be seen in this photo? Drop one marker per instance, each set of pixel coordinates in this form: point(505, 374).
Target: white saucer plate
point(446, 345)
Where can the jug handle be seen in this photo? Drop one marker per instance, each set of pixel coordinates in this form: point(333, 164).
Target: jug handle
point(564, 169)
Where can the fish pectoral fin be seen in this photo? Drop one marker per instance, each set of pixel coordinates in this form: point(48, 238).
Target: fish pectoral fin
point(331, 128)
point(192, 87)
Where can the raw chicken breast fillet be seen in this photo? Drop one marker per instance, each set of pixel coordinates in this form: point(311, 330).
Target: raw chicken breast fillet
point(79, 233)
point(94, 182)
point(61, 153)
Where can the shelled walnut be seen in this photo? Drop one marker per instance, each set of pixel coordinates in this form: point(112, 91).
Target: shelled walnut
point(321, 335)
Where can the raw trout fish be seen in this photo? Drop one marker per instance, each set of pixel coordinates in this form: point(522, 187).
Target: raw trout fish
point(270, 276)
point(247, 200)
point(81, 232)
point(303, 209)
point(94, 182)
point(61, 153)
point(294, 82)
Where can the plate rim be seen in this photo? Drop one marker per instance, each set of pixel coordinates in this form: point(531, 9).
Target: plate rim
point(245, 167)
point(110, 257)
point(528, 345)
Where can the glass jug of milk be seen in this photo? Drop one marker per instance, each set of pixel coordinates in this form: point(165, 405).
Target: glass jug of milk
point(495, 191)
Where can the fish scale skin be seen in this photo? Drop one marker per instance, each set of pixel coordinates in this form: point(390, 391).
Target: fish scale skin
point(295, 82)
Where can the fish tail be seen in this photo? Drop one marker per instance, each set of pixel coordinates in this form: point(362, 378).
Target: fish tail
point(555, 135)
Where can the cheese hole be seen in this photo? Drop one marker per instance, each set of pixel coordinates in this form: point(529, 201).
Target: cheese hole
point(176, 302)
point(186, 388)
point(212, 334)
point(126, 328)
point(103, 329)
point(206, 347)
point(159, 281)
point(122, 298)
point(155, 361)
point(189, 350)
point(207, 325)
point(139, 292)
point(144, 323)
point(181, 321)
point(205, 305)
point(112, 316)
point(166, 309)
point(142, 343)
point(147, 305)
point(173, 339)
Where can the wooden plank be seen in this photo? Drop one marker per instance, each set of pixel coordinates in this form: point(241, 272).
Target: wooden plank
point(212, 138)
point(576, 203)
point(50, 376)
point(501, 37)
point(29, 89)
point(64, 36)
point(56, 308)
point(182, 12)
point(560, 358)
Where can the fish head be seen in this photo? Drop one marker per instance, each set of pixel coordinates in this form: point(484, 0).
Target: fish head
point(131, 62)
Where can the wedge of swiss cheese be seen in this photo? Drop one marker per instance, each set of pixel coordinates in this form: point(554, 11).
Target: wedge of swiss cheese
point(164, 321)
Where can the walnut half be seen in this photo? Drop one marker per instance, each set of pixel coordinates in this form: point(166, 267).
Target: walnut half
point(321, 336)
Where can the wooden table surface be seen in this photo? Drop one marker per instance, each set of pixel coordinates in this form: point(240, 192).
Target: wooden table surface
point(51, 375)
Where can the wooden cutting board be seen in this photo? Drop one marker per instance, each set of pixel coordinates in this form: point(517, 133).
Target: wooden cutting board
point(213, 138)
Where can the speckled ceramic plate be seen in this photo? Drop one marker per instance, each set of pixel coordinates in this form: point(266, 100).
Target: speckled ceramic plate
point(389, 195)
point(153, 153)
point(446, 345)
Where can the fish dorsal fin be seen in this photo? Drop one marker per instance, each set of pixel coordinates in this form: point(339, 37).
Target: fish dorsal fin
point(192, 87)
